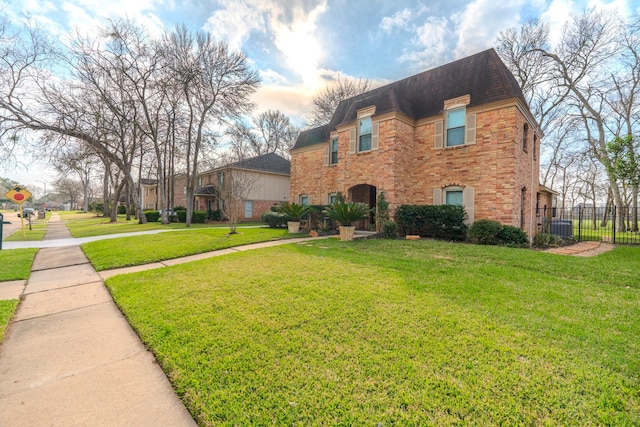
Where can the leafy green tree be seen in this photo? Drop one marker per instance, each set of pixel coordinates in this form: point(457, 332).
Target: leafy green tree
point(626, 167)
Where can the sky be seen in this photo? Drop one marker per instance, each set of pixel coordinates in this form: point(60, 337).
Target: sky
point(300, 46)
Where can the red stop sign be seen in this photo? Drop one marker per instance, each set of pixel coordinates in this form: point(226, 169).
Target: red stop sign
point(17, 197)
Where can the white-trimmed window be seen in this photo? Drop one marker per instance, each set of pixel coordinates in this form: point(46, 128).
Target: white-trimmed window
point(248, 209)
point(305, 199)
point(365, 129)
point(199, 182)
point(456, 126)
point(333, 159)
point(457, 196)
point(364, 136)
point(333, 197)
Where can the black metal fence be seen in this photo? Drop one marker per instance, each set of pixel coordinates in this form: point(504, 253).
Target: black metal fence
point(583, 223)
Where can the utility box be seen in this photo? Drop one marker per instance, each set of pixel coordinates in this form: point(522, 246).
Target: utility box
point(562, 228)
point(41, 214)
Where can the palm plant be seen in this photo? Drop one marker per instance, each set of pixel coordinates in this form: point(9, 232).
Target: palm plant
point(346, 213)
point(294, 211)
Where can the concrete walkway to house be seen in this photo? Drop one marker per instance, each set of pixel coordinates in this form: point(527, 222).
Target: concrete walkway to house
point(584, 249)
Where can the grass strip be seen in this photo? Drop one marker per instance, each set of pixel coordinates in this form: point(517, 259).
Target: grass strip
point(15, 264)
point(138, 250)
point(7, 308)
point(395, 333)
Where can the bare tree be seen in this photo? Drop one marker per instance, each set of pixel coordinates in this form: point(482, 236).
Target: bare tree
point(271, 132)
point(215, 84)
point(580, 65)
point(234, 192)
point(70, 188)
point(325, 104)
point(77, 160)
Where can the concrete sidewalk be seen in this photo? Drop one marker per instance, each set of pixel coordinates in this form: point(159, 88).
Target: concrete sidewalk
point(69, 358)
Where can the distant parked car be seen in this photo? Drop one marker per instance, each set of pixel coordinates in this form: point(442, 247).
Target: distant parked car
point(27, 212)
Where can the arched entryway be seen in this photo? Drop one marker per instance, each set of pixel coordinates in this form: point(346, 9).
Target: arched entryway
point(367, 194)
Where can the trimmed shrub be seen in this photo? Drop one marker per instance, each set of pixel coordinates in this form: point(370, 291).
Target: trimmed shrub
point(182, 215)
point(274, 219)
point(547, 240)
point(214, 215)
point(513, 236)
point(439, 221)
point(152, 216)
point(198, 217)
point(122, 209)
point(485, 232)
point(389, 230)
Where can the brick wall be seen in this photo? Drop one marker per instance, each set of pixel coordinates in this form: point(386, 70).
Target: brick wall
point(408, 167)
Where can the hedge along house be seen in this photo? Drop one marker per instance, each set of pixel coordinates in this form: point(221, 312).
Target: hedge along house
point(458, 134)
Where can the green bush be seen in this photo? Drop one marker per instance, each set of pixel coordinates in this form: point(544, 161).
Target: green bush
point(441, 221)
point(512, 236)
point(274, 219)
point(198, 217)
point(485, 232)
point(152, 216)
point(214, 215)
point(96, 207)
point(122, 209)
point(389, 230)
point(547, 240)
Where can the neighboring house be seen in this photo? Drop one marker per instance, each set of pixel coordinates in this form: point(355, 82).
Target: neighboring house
point(149, 194)
point(257, 184)
point(458, 134)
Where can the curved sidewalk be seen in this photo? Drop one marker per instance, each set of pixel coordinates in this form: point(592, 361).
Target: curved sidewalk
point(70, 358)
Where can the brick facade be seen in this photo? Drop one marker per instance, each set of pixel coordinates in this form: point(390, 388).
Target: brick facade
point(408, 168)
point(453, 134)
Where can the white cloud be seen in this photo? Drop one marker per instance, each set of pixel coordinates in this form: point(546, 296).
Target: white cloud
point(481, 22)
point(432, 43)
point(235, 22)
point(270, 76)
point(292, 29)
point(399, 19)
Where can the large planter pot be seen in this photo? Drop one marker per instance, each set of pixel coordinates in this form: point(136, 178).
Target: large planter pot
point(347, 232)
point(293, 226)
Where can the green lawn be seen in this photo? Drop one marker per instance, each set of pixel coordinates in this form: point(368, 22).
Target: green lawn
point(7, 308)
point(382, 332)
point(15, 264)
point(138, 250)
point(87, 225)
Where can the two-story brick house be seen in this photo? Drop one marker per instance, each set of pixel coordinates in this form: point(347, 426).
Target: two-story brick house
point(265, 182)
point(458, 134)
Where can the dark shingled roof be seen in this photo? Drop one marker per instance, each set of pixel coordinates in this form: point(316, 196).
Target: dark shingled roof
point(483, 76)
point(270, 162)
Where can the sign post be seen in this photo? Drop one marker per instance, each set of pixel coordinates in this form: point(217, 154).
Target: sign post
point(2, 223)
point(19, 195)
